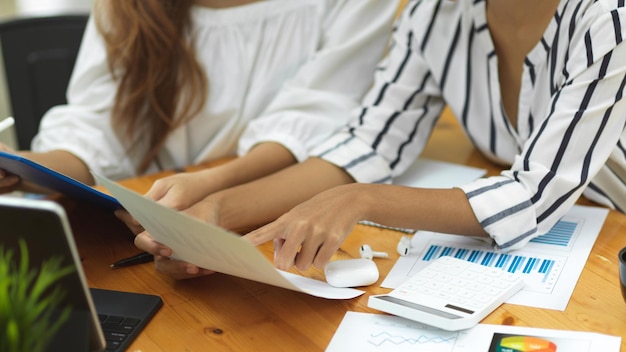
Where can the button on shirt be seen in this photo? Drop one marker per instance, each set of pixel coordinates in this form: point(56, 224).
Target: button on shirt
point(569, 137)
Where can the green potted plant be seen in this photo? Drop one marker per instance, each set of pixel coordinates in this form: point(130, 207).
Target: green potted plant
point(30, 311)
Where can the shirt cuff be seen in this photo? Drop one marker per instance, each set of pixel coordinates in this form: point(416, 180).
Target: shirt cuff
point(504, 210)
point(357, 158)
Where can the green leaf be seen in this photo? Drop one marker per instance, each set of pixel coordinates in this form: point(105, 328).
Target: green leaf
point(29, 298)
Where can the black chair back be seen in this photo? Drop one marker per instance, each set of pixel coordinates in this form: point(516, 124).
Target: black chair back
point(39, 55)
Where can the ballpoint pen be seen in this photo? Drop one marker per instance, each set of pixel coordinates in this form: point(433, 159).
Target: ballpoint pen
point(140, 258)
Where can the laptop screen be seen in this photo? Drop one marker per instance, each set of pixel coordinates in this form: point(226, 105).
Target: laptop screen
point(38, 254)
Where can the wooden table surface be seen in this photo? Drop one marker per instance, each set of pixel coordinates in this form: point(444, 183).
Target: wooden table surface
point(223, 313)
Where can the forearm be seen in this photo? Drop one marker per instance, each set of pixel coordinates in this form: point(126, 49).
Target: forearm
point(439, 210)
point(313, 231)
point(63, 162)
point(259, 202)
point(262, 160)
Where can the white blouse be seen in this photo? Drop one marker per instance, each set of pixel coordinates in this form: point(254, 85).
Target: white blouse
point(279, 70)
point(569, 136)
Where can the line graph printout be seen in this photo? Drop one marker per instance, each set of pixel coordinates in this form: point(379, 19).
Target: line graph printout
point(377, 332)
point(380, 333)
point(550, 264)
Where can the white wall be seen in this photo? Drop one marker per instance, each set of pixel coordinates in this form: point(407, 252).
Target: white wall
point(46, 7)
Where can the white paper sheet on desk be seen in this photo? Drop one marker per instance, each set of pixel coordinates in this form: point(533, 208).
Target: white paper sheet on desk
point(379, 333)
point(550, 264)
point(428, 173)
point(214, 248)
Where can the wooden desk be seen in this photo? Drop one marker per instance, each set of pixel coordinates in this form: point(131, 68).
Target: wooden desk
point(222, 313)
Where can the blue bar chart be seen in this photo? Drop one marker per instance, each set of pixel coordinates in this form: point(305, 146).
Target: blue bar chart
point(541, 271)
point(550, 264)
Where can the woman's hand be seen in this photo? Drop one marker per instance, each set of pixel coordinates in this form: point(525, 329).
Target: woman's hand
point(178, 192)
point(163, 262)
point(177, 269)
point(183, 190)
point(130, 221)
point(8, 182)
point(312, 232)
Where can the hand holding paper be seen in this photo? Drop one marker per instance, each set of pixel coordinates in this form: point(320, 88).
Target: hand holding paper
point(214, 248)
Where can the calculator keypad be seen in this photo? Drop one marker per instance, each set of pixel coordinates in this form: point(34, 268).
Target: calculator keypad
point(450, 290)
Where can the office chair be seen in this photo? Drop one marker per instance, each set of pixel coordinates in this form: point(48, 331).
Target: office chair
point(39, 55)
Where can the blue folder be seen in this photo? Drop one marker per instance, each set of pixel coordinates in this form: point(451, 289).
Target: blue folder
point(42, 176)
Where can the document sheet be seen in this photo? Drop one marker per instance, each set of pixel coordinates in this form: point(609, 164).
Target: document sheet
point(376, 332)
point(214, 248)
point(550, 264)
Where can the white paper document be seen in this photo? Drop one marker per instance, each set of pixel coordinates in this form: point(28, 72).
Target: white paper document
point(214, 248)
point(366, 332)
point(426, 173)
point(550, 264)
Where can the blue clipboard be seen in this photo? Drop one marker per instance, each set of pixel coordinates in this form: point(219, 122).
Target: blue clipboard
point(42, 176)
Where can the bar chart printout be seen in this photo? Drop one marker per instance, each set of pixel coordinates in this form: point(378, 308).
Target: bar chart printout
point(550, 264)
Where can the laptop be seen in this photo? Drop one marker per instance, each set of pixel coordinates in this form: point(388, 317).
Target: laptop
point(90, 319)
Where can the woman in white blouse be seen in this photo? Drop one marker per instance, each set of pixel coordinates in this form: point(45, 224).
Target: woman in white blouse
point(161, 85)
point(537, 85)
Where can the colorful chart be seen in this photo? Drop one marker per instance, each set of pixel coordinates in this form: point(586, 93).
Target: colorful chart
point(525, 344)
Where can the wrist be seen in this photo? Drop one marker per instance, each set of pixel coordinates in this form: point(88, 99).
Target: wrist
point(213, 180)
point(373, 202)
point(367, 201)
point(358, 200)
point(224, 211)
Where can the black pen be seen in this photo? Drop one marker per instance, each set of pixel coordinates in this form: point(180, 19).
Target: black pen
point(140, 258)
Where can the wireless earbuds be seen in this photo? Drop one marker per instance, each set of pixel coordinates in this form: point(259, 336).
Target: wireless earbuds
point(404, 246)
point(367, 252)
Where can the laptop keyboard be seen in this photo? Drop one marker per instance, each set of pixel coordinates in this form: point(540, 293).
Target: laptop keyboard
point(116, 330)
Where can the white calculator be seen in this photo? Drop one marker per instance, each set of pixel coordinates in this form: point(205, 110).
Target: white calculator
point(450, 294)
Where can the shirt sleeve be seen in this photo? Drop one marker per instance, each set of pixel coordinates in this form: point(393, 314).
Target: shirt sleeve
point(388, 132)
point(318, 99)
point(586, 118)
point(83, 126)
point(573, 143)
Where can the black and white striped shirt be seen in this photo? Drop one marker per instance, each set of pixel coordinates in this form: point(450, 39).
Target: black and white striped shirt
point(569, 136)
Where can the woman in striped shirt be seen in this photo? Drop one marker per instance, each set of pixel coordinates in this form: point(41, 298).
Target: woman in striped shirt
point(536, 84)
